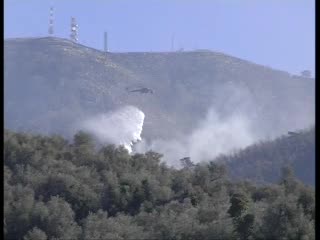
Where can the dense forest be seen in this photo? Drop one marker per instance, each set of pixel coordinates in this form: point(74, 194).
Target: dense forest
point(56, 189)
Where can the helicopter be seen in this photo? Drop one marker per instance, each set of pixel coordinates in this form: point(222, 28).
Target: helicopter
point(292, 133)
point(142, 90)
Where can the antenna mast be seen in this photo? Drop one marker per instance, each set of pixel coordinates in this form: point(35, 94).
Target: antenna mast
point(106, 42)
point(51, 18)
point(74, 30)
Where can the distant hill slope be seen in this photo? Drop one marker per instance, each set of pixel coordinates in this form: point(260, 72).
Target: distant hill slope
point(51, 83)
point(263, 161)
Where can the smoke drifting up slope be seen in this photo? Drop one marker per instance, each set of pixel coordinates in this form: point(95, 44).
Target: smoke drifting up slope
point(234, 121)
point(216, 136)
point(212, 137)
point(120, 127)
point(228, 126)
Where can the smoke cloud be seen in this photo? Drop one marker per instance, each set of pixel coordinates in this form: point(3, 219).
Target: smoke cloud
point(235, 120)
point(213, 136)
point(120, 127)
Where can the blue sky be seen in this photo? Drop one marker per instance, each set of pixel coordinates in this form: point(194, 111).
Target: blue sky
point(275, 33)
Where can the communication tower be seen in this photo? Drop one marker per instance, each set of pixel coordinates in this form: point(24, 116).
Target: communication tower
point(105, 41)
point(74, 30)
point(51, 18)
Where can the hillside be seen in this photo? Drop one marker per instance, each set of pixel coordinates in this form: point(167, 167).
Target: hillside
point(262, 162)
point(51, 83)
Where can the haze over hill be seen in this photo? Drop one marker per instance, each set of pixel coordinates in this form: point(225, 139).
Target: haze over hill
point(202, 103)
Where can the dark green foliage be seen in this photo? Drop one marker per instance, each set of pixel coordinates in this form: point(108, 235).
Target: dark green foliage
point(262, 162)
point(239, 204)
point(307, 201)
point(244, 226)
point(35, 234)
point(82, 139)
point(284, 220)
point(57, 219)
point(57, 190)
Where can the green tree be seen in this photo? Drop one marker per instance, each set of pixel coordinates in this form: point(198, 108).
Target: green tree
point(239, 204)
point(35, 234)
point(57, 220)
point(285, 220)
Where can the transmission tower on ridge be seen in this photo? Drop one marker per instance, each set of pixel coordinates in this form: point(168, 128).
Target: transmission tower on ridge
point(51, 18)
point(74, 30)
point(106, 42)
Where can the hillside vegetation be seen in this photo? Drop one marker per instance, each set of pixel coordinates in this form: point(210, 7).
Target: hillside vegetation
point(262, 162)
point(51, 84)
point(55, 189)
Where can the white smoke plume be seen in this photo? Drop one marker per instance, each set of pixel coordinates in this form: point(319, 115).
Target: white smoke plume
point(232, 123)
point(213, 136)
point(216, 136)
point(120, 127)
